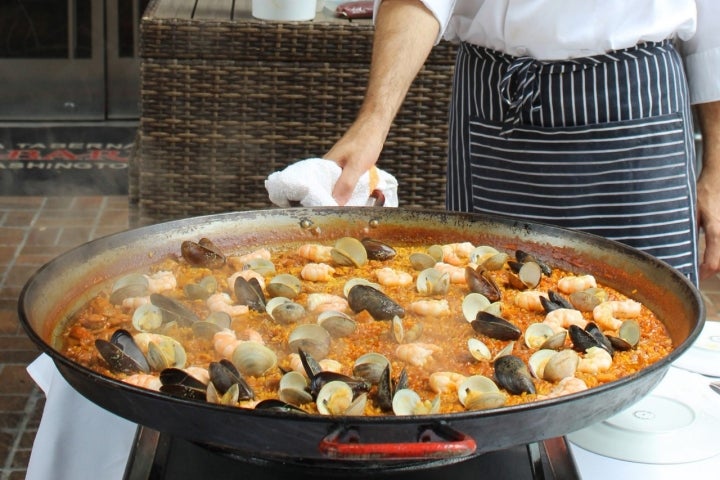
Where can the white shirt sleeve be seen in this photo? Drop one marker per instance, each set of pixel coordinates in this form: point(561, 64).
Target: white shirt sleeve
point(441, 9)
point(702, 54)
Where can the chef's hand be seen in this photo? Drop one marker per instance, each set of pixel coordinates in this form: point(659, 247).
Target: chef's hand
point(356, 153)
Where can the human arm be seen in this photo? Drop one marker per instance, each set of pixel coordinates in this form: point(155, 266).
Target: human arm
point(405, 31)
point(708, 185)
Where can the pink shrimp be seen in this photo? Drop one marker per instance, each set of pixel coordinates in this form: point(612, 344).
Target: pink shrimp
point(530, 300)
point(239, 261)
point(161, 281)
point(417, 354)
point(221, 302)
point(561, 319)
point(595, 360)
point(319, 302)
point(608, 314)
point(573, 283)
point(317, 272)
point(132, 303)
point(225, 341)
point(390, 277)
point(446, 382)
point(456, 273)
point(315, 252)
point(427, 308)
point(144, 380)
point(457, 253)
point(565, 386)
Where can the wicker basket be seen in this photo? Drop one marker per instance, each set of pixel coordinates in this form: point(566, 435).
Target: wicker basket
point(227, 102)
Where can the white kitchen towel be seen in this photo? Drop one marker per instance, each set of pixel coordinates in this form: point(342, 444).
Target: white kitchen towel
point(311, 182)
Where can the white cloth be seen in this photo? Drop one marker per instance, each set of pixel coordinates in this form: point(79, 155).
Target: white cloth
point(76, 439)
point(311, 181)
point(562, 29)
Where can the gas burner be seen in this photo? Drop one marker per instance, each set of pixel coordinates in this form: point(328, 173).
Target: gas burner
point(157, 456)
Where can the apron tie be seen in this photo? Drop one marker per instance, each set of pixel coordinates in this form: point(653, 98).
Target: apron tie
point(518, 89)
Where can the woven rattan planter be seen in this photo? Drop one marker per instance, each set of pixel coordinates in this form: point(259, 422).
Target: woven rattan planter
point(228, 99)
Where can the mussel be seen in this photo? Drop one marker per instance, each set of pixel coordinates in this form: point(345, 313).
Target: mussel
point(249, 292)
point(203, 253)
point(495, 327)
point(122, 354)
point(174, 311)
point(377, 304)
point(377, 250)
point(480, 282)
point(512, 374)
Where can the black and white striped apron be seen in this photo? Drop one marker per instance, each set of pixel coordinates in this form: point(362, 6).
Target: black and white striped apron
point(602, 144)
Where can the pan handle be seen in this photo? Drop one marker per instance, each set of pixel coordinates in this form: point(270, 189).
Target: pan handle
point(433, 441)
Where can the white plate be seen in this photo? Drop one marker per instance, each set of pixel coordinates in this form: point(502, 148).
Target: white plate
point(676, 423)
point(704, 355)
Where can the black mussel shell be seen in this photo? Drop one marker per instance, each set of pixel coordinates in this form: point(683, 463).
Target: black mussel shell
point(387, 388)
point(278, 406)
point(619, 344)
point(174, 311)
point(319, 381)
point(177, 376)
point(480, 282)
point(122, 353)
point(377, 304)
point(311, 366)
point(377, 250)
point(558, 299)
point(224, 374)
point(184, 391)
point(583, 340)
point(603, 340)
point(202, 254)
point(249, 292)
point(495, 327)
point(523, 257)
point(512, 375)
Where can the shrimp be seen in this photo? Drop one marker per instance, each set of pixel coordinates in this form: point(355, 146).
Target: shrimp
point(317, 272)
point(446, 382)
point(390, 277)
point(296, 364)
point(456, 273)
point(225, 341)
point(561, 319)
point(144, 380)
point(457, 253)
point(198, 373)
point(221, 302)
point(573, 283)
point(417, 354)
point(530, 300)
point(247, 275)
point(608, 314)
point(161, 281)
point(427, 308)
point(565, 386)
point(132, 303)
point(315, 252)
point(319, 302)
point(239, 261)
point(595, 360)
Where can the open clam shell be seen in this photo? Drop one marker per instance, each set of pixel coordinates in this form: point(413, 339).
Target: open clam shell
point(349, 252)
point(479, 392)
point(253, 359)
point(310, 338)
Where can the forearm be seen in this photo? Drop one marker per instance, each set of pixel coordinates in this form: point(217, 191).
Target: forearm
point(709, 186)
point(405, 32)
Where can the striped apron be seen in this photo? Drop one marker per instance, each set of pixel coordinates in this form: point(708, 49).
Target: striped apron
point(602, 144)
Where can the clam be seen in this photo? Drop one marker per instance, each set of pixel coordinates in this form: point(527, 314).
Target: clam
point(512, 374)
point(563, 364)
point(147, 318)
point(212, 324)
point(370, 367)
point(204, 253)
point(586, 300)
point(359, 281)
point(253, 359)
point(408, 402)
point(481, 253)
point(478, 349)
point(495, 327)
point(377, 304)
point(377, 250)
point(294, 389)
point(336, 398)
point(284, 285)
point(161, 351)
point(479, 393)
point(349, 252)
point(249, 292)
point(536, 334)
point(129, 286)
point(398, 329)
point(473, 303)
point(263, 266)
point(338, 324)
point(284, 311)
point(629, 333)
point(506, 350)
point(524, 257)
point(436, 252)
point(122, 354)
point(420, 261)
point(528, 276)
point(480, 282)
point(173, 310)
point(556, 341)
point(201, 290)
point(311, 338)
point(433, 282)
point(538, 360)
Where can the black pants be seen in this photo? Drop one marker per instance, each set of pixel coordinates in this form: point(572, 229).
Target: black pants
point(602, 144)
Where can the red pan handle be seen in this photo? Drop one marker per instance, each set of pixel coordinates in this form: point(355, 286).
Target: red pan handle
point(433, 441)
